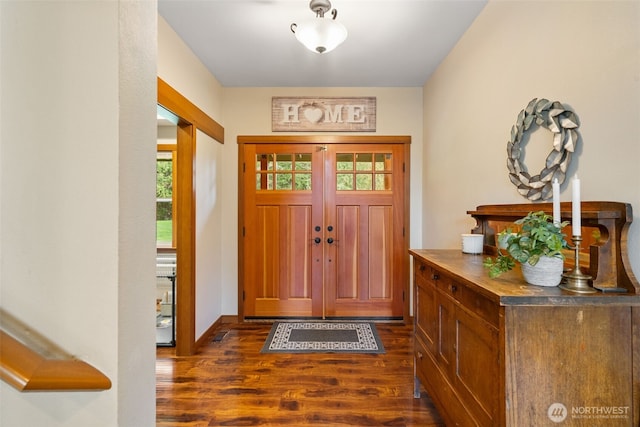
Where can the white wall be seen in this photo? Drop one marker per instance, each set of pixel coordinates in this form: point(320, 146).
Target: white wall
point(182, 70)
point(583, 54)
point(77, 173)
point(209, 228)
point(398, 113)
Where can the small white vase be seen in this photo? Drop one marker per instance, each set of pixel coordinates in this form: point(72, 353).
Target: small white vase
point(547, 272)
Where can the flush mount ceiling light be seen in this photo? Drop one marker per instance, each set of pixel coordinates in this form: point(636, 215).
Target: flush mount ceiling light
point(320, 35)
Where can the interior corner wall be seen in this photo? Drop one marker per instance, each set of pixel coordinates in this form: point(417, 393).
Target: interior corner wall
point(585, 55)
point(181, 69)
point(77, 150)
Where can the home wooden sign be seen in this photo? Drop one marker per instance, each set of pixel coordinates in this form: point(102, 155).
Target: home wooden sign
point(303, 114)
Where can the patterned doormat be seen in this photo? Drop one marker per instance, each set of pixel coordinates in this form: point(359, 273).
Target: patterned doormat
point(323, 337)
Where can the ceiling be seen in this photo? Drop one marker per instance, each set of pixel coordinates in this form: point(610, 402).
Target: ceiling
point(391, 43)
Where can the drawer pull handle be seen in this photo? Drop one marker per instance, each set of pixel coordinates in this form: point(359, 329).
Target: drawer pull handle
point(420, 355)
point(454, 288)
point(422, 267)
point(435, 276)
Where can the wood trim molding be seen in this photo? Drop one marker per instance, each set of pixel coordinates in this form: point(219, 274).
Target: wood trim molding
point(407, 230)
point(211, 332)
point(186, 242)
point(323, 139)
point(208, 334)
point(173, 101)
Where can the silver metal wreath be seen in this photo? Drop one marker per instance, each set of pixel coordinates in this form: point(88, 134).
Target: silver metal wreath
point(563, 123)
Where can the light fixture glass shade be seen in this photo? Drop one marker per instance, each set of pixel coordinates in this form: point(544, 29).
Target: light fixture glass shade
point(320, 35)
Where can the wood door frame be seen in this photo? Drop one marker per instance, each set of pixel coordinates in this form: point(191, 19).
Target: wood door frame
point(323, 140)
point(191, 118)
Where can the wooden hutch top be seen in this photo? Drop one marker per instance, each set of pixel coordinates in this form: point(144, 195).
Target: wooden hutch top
point(605, 245)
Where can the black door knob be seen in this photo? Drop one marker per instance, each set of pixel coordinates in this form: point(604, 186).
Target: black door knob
point(330, 240)
point(317, 240)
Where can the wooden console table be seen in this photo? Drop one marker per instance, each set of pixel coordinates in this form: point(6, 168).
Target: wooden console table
point(499, 352)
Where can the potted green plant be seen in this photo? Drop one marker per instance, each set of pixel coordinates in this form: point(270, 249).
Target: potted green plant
point(537, 246)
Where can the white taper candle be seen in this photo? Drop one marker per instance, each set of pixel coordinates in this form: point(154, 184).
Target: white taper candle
point(556, 201)
point(575, 207)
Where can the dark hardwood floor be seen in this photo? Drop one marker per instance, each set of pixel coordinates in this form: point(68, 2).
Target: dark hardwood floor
point(230, 383)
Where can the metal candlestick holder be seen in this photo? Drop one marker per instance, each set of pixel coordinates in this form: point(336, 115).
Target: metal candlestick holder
point(575, 280)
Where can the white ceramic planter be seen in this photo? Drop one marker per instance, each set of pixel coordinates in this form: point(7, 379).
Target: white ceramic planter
point(547, 272)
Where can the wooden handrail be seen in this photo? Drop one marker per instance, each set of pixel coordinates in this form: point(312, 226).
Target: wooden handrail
point(30, 362)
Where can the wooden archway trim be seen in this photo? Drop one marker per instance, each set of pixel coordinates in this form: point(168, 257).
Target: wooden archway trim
point(173, 101)
point(323, 139)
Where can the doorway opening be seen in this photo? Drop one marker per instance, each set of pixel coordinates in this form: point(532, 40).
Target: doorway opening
point(166, 224)
point(189, 119)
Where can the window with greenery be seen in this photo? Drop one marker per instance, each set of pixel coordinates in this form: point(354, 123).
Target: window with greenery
point(164, 199)
point(283, 171)
point(363, 171)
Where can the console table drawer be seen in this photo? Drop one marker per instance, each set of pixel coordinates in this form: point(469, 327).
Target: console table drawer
point(479, 305)
point(463, 294)
point(420, 269)
point(428, 273)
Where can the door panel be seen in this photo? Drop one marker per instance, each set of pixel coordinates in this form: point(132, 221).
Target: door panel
point(346, 262)
point(380, 251)
point(364, 200)
point(281, 263)
point(279, 216)
point(350, 226)
point(323, 230)
point(298, 224)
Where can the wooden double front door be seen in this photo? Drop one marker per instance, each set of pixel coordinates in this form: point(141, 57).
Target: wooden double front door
point(323, 227)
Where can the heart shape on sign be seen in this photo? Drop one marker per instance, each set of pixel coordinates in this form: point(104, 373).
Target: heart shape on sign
point(313, 114)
